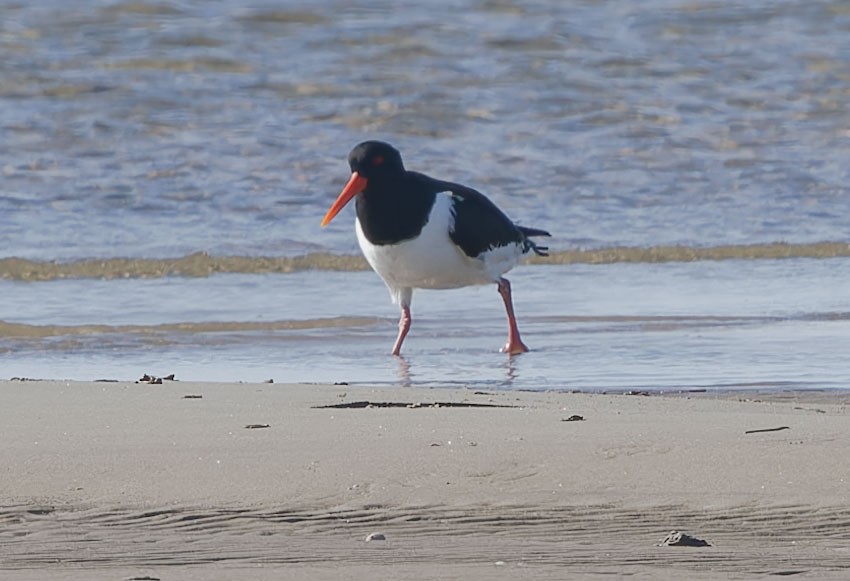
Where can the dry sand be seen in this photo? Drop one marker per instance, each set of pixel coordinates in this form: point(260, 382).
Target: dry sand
point(137, 481)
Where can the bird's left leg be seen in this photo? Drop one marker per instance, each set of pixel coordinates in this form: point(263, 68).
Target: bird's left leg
point(405, 297)
point(514, 345)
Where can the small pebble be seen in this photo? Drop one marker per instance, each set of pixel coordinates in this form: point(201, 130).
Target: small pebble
point(375, 537)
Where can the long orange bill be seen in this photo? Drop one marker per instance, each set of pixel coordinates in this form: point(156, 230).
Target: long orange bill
point(355, 185)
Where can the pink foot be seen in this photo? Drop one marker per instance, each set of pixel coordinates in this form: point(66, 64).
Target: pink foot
point(514, 348)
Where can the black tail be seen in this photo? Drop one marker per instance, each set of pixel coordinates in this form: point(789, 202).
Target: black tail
point(530, 244)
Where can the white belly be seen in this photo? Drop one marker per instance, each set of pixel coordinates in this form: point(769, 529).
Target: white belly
point(431, 260)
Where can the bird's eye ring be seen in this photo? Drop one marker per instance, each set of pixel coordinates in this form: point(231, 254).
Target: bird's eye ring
point(377, 160)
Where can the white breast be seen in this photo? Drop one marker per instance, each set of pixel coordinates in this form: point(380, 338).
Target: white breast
point(431, 260)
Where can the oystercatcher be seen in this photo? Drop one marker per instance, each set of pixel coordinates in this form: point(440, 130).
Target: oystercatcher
point(419, 232)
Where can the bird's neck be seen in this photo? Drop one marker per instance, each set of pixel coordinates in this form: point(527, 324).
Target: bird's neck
point(392, 211)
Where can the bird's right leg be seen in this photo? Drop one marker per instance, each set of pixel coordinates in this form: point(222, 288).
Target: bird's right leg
point(403, 328)
point(406, 296)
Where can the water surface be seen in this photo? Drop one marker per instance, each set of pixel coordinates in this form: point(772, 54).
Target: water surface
point(165, 166)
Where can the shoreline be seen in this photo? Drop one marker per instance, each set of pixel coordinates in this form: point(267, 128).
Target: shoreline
point(276, 478)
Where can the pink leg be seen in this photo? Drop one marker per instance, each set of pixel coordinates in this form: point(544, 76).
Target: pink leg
point(403, 328)
point(514, 345)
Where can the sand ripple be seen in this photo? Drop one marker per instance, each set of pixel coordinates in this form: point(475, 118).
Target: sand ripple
point(747, 540)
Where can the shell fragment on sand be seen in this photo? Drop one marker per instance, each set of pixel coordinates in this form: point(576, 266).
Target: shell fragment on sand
point(678, 539)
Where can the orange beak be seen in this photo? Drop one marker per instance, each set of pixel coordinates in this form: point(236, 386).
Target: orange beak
point(355, 185)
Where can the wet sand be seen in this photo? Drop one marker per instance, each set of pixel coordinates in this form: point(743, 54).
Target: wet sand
point(182, 480)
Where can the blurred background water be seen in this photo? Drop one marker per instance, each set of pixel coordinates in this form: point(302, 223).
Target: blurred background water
point(179, 135)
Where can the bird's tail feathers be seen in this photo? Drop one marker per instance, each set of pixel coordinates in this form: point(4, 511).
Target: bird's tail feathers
point(533, 231)
point(538, 250)
point(530, 244)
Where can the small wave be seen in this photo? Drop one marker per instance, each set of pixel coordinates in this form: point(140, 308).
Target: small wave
point(25, 331)
point(657, 254)
point(201, 264)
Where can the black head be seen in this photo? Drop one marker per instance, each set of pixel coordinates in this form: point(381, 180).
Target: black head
point(375, 165)
point(375, 159)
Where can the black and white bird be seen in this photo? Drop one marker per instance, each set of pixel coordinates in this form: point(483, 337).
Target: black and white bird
point(419, 232)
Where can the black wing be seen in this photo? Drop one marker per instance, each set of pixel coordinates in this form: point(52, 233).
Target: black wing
point(480, 225)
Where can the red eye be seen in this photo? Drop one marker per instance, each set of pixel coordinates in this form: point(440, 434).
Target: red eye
point(377, 160)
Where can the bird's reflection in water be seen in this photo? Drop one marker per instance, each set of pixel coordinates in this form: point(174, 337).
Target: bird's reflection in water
point(510, 372)
point(403, 371)
point(404, 374)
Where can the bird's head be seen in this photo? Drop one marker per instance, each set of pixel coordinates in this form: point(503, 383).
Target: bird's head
point(371, 162)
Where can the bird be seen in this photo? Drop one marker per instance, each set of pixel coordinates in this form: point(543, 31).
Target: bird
point(417, 232)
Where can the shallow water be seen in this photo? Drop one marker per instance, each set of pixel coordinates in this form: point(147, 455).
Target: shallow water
point(771, 324)
point(204, 141)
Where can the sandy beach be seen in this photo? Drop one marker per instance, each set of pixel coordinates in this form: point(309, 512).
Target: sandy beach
point(182, 480)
